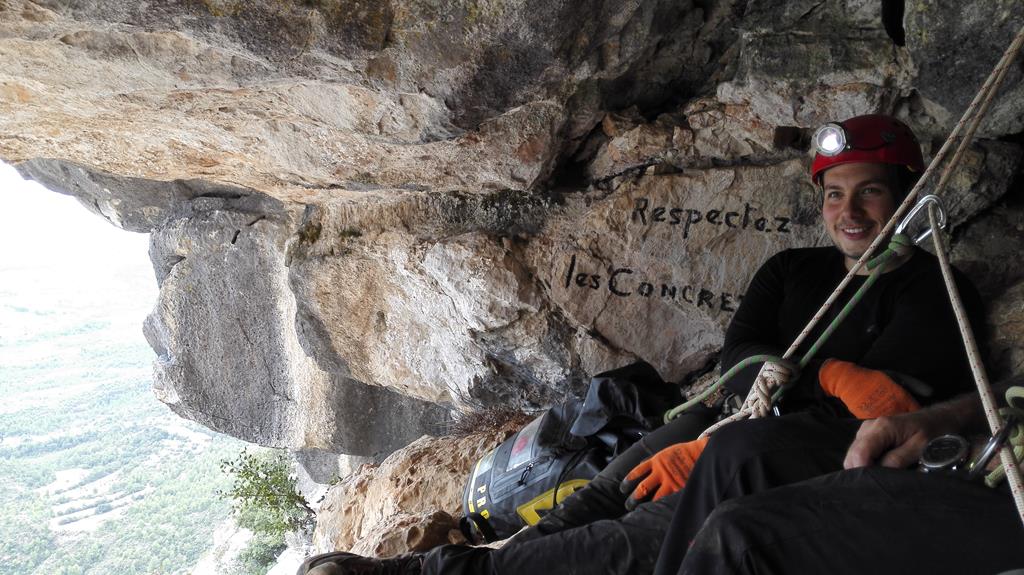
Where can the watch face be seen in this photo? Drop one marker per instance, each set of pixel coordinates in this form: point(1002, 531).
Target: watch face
point(945, 452)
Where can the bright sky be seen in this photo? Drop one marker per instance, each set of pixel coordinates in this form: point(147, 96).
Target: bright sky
point(64, 269)
point(43, 228)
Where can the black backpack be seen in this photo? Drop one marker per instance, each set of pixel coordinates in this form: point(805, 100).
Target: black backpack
point(561, 450)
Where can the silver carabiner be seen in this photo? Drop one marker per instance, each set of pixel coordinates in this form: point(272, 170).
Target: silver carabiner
point(929, 199)
point(977, 467)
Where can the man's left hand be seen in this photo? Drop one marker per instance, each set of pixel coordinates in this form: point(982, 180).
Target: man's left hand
point(662, 474)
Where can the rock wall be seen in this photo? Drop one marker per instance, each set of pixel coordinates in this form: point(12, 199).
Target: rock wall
point(408, 502)
point(366, 214)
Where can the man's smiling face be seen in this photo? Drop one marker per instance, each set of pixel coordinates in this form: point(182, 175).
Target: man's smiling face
point(858, 201)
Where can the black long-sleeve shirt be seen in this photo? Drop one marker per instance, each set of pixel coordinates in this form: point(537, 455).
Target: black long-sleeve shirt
point(904, 323)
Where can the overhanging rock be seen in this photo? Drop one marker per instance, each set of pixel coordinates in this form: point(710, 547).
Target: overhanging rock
point(362, 219)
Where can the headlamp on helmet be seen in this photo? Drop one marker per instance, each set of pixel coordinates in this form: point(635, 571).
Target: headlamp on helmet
point(830, 139)
point(873, 139)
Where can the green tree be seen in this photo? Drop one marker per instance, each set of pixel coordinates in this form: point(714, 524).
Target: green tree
point(259, 554)
point(264, 495)
point(265, 500)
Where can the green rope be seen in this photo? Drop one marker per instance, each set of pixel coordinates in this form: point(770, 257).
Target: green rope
point(899, 244)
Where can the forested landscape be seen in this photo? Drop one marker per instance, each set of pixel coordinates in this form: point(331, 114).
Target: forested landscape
point(96, 475)
point(144, 499)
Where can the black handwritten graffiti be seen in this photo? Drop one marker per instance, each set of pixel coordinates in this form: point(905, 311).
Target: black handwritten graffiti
point(687, 217)
point(624, 283)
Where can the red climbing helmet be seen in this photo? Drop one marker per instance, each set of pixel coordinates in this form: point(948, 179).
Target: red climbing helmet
point(874, 138)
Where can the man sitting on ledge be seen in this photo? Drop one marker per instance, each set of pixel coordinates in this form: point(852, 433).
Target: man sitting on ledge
point(903, 329)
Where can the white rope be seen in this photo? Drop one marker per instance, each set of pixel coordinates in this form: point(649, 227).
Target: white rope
point(985, 393)
point(988, 399)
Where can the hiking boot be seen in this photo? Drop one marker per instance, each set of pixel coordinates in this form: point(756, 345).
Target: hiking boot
point(341, 563)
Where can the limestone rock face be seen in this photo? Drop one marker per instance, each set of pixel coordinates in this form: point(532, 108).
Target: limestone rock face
point(1000, 279)
point(1006, 318)
point(407, 503)
point(980, 250)
point(671, 254)
point(963, 47)
point(365, 215)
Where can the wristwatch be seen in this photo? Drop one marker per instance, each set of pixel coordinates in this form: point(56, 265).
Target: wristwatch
point(945, 454)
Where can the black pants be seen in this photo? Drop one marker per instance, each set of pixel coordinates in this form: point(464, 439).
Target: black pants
point(732, 517)
point(869, 520)
point(752, 456)
point(590, 532)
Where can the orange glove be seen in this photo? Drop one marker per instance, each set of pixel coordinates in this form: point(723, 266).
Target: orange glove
point(662, 474)
point(867, 393)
